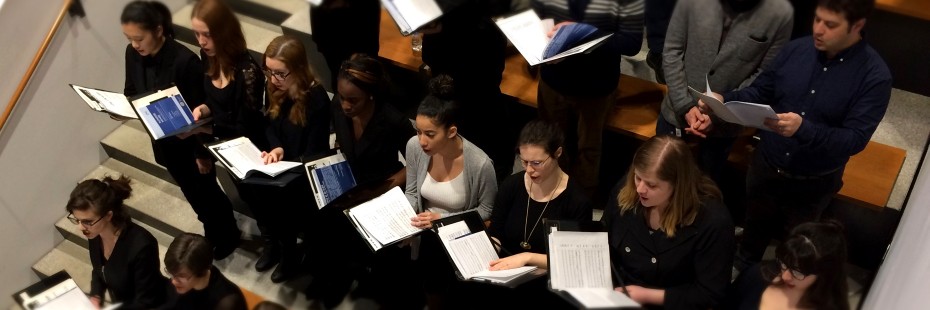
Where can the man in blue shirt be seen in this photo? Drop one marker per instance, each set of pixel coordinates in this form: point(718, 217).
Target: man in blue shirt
point(829, 97)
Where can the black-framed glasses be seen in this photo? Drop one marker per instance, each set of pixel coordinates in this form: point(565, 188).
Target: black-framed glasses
point(280, 76)
point(797, 275)
point(85, 223)
point(534, 163)
point(176, 277)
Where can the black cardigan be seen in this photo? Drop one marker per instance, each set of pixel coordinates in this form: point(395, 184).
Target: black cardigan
point(374, 156)
point(132, 273)
point(693, 267)
point(241, 114)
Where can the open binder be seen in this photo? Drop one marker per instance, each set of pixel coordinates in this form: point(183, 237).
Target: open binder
point(410, 15)
point(105, 101)
point(57, 292)
point(469, 248)
point(528, 34)
point(244, 161)
point(330, 177)
point(384, 220)
point(580, 267)
point(165, 113)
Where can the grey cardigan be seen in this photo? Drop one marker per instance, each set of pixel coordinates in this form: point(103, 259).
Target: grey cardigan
point(691, 52)
point(480, 180)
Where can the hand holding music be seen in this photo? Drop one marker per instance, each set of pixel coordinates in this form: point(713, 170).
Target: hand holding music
point(424, 220)
point(273, 156)
point(786, 125)
point(510, 262)
point(556, 28)
point(644, 295)
point(699, 123)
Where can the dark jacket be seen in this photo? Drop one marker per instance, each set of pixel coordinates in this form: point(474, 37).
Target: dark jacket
point(302, 143)
point(238, 108)
point(131, 275)
point(374, 156)
point(693, 267)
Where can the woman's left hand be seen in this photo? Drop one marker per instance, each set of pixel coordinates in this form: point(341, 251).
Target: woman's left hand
point(424, 220)
point(510, 262)
point(644, 295)
point(273, 156)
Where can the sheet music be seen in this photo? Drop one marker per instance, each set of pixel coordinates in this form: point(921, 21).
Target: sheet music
point(240, 155)
point(330, 177)
point(472, 253)
point(386, 218)
point(579, 260)
point(527, 33)
point(105, 101)
point(410, 15)
point(737, 112)
point(64, 296)
point(593, 298)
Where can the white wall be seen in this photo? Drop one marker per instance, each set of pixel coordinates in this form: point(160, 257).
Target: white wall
point(904, 278)
point(52, 140)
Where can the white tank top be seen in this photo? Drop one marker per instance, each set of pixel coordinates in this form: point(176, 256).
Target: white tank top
point(444, 197)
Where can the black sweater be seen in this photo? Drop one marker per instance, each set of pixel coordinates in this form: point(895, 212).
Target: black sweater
point(132, 273)
point(237, 109)
point(306, 142)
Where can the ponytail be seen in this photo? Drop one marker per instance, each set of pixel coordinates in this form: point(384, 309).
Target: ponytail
point(101, 197)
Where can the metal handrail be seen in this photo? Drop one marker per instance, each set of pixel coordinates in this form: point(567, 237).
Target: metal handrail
point(35, 63)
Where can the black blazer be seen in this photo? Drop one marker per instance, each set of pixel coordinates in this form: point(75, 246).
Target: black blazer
point(693, 267)
point(132, 273)
point(175, 64)
point(306, 142)
point(374, 156)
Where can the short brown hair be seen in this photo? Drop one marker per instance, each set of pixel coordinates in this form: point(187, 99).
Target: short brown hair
point(853, 10)
point(192, 251)
point(672, 161)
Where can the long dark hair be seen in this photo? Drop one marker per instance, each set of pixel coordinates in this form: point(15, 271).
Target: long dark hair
point(815, 249)
point(226, 32)
point(149, 15)
point(440, 105)
point(101, 197)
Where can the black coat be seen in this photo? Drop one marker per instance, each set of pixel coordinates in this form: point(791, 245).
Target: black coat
point(693, 267)
point(132, 274)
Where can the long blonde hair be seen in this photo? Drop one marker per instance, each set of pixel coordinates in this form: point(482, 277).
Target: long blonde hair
point(672, 161)
point(291, 52)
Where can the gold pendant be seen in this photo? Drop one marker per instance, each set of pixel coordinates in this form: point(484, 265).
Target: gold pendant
point(525, 245)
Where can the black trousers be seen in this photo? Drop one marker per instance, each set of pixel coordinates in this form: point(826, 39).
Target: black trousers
point(201, 190)
point(280, 211)
point(777, 203)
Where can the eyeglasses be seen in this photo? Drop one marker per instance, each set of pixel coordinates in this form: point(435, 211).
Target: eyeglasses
point(85, 223)
point(179, 278)
point(797, 275)
point(535, 163)
point(280, 76)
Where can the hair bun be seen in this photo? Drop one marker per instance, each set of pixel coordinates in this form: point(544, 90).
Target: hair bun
point(441, 87)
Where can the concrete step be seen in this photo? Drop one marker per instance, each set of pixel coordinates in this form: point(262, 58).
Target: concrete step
point(131, 145)
point(69, 257)
point(298, 26)
point(270, 11)
point(154, 201)
point(257, 33)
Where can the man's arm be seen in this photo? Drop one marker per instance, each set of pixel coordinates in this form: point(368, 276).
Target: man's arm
point(673, 59)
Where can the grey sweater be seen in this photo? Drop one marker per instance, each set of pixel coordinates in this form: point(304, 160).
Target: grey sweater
point(480, 181)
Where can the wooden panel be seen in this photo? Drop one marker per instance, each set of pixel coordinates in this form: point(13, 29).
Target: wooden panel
point(395, 47)
point(914, 8)
point(871, 174)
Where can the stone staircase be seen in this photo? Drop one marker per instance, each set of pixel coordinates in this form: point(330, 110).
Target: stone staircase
point(157, 203)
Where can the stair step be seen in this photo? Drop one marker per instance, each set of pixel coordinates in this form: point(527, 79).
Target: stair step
point(130, 144)
point(257, 33)
point(152, 201)
point(69, 257)
point(270, 11)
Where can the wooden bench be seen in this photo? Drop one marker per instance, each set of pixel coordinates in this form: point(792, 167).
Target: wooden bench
point(914, 8)
point(868, 179)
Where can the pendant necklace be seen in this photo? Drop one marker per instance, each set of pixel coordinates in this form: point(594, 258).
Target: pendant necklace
point(526, 244)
